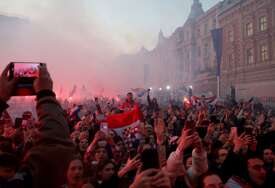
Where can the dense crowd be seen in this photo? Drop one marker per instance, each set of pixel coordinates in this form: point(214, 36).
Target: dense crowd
point(200, 145)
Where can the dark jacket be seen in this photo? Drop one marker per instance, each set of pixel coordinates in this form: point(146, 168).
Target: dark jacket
point(45, 164)
point(48, 160)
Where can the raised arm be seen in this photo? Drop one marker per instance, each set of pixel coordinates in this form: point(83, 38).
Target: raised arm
point(6, 88)
point(49, 158)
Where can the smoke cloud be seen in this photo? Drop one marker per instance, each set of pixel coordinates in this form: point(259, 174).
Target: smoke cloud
point(63, 34)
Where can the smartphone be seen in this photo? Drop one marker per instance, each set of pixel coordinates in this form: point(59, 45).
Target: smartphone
point(26, 73)
point(104, 128)
point(190, 125)
point(149, 159)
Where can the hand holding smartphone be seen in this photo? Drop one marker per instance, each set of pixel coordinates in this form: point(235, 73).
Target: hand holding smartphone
point(25, 73)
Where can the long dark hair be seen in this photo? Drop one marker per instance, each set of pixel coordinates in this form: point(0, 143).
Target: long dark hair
point(101, 165)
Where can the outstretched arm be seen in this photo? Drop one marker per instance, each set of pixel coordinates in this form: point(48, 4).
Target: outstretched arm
point(6, 88)
point(53, 151)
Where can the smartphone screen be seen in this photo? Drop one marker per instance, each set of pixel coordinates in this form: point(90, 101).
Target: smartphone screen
point(104, 128)
point(26, 70)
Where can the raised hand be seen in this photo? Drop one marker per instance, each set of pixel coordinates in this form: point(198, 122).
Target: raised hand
point(159, 129)
point(185, 140)
point(197, 143)
point(133, 164)
point(144, 179)
point(161, 180)
point(241, 141)
point(44, 81)
point(6, 85)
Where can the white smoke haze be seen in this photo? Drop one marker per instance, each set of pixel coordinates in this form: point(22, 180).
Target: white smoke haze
point(62, 33)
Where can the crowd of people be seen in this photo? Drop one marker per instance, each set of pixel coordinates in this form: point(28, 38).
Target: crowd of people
point(202, 145)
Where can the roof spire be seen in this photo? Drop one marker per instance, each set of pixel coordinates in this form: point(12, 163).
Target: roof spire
point(161, 37)
point(196, 10)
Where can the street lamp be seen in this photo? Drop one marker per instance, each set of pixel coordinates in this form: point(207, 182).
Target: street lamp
point(160, 88)
point(168, 87)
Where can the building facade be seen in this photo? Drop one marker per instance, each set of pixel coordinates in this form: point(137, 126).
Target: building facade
point(249, 47)
point(187, 57)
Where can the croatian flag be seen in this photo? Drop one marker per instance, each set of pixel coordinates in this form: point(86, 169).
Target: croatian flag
point(125, 120)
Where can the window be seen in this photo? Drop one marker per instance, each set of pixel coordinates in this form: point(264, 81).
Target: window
point(205, 28)
point(214, 23)
point(179, 37)
point(198, 32)
point(206, 50)
point(263, 52)
point(230, 59)
point(249, 29)
point(263, 23)
point(249, 56)
point(199, 51)
point(230, 36)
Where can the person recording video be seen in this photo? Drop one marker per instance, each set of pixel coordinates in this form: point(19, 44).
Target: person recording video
point(45, 164)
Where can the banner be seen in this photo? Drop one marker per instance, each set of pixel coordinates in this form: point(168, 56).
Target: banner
point(217, 43)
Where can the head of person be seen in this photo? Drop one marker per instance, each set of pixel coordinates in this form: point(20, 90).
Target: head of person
point(84, 135)
point(100, 153)
point(221, 155)
point(119, 144)
point(256, 171)
point(83, 144)
point(129, 96)
point(75, 172)
point(75, 136)
point(9, 165)
point(117, 154)
point(27, 115)
point(210, 180)
point(112, 133)
point(105, 170)
point(268, 156)
point(223, 138)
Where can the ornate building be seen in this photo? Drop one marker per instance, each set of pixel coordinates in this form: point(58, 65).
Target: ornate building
point(187, 57)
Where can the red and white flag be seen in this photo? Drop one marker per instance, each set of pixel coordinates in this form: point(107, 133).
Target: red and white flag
point(126, 120)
